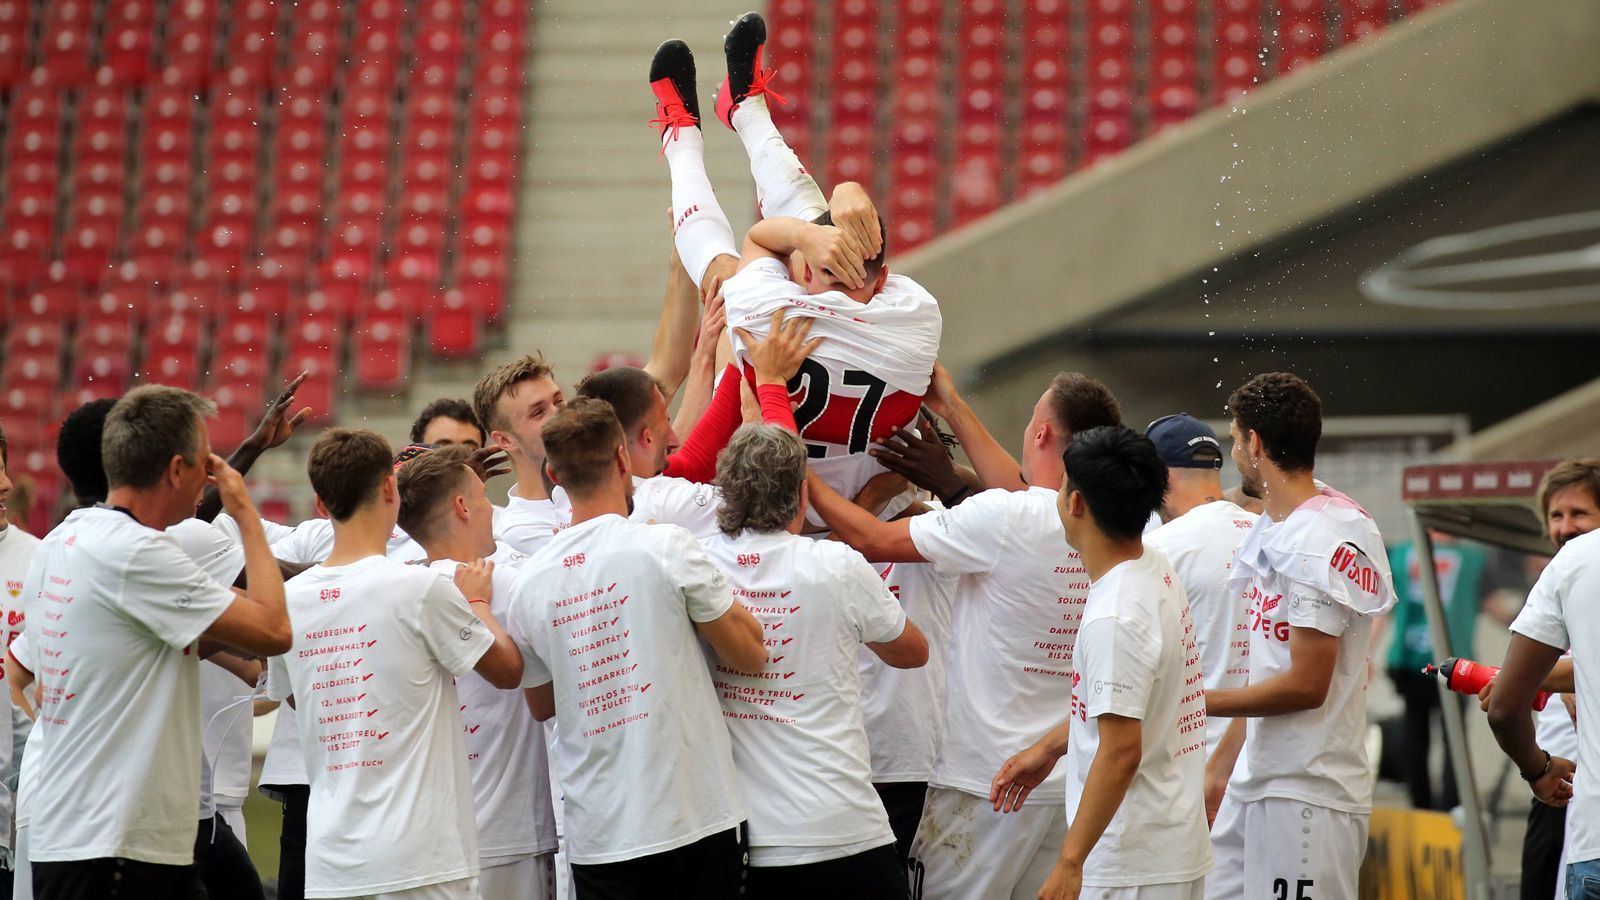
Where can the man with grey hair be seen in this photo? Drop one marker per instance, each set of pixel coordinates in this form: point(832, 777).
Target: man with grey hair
point(118, 611)
point(815, 827)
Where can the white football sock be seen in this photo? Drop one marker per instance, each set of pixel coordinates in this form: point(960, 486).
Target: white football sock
point(783, 186)
point(700, 228)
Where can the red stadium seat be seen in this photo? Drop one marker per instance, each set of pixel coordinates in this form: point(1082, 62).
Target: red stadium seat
point(106, 371)
point(33, 336)
point(382, 357)
point(454, 327)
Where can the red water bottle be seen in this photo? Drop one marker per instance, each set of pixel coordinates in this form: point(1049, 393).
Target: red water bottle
point(1464, 676)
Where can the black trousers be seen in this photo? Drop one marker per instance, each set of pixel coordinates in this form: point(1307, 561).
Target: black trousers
point(903, 800)
point(711, 868)
point(1541, 851)
point(97, 879)
point(292, 841)
point(1421, 695)
point(873, 875)
point(224, 864)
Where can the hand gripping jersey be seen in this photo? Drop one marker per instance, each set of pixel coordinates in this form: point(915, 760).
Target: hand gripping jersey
point(1323, 567)
point(865, 380)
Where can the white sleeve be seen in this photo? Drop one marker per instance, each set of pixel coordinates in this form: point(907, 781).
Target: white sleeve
point(274, 532)
point(877, 616)
point(1313, 608)
point(305, 544)
point(22, 650)
point(1541, 618)
point(1116, 660)
point(966, 539)
point(665, 500)
point(534, 671)
point(278, 686)
point(705, 591)
point(164, 591)
point(453, 635)
point(211, 548)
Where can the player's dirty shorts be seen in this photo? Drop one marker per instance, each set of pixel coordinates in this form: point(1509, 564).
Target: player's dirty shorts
point(964, 849)
point(1277, 849)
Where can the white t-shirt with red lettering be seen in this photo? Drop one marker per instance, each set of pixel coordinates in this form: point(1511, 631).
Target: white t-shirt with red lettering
point(865, 380)
point(506, 752)
point(1560, 612)
point(114, 613)
point(818, 602)
point(527, 525)
point(903, 709)
point(1137, 658)
point(1017, 608)
point(662, 500)
point(1200, 545)
point(16, 551)
point(377, 647)
point(1323, 567)
point(607, 611)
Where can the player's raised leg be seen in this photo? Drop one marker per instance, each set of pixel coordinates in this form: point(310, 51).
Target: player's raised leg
point(700, 228)
point(783, 186)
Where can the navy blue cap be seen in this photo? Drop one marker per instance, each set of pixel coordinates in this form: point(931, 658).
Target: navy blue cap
point(1177, 439)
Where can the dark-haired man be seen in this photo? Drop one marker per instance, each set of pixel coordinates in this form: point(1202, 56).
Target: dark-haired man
point(1200, 533)
point(609, 617)
point(448, 421)
point(377, 647)
point(1017, 608)
point(111, 593)
point(1316, 577)
point(1135, 737)
point(443, 506)
point(818, 828)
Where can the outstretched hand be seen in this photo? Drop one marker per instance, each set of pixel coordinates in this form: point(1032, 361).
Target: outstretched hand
point(836, 253)
point(921, 458)
point(488, 462)
point(277, 425)
point(852, 210)
point(777, 357)
point(1018, 776)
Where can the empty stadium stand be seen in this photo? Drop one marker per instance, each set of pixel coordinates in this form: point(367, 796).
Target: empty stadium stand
point(950, 109)
point(207, 193)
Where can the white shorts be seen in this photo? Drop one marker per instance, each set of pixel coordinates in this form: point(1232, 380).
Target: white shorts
point(460, 889)
point(964, 849)
point(528, 878)
point(1186, 890)
point(1297, 851)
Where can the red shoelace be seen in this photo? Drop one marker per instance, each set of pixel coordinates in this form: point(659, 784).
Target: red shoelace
point(674, 116)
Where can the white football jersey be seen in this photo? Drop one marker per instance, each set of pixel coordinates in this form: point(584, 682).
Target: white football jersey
point(864, 381)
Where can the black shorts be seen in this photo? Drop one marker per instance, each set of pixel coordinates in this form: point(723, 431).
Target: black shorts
point(96, 879)
point(875, 874)
point(903, 800)
point(711, 868)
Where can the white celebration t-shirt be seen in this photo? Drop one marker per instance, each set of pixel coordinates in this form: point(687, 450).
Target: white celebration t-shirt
point(505, 748)
point(818, 602)
point(377, 647)
point(1017, 608)
point(903, 709)
point(1323, 567)
point(1561, 612)
point(1138, 658)
point(1554, 729)
point(606, 612)
point(527, 525)
point(16, 551)
point(114, 616)
point(1200, 545)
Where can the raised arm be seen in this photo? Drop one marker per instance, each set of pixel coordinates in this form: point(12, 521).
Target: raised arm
point(256, 621)
point(674, 344)
point(878, 541)
point(695, 395)
point(827, 248)
point(995, 467)
point(275, 428)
